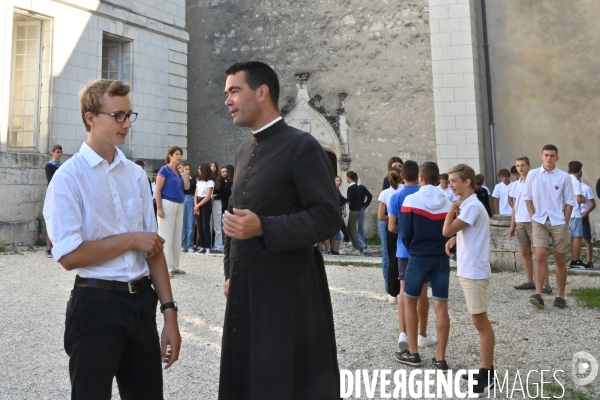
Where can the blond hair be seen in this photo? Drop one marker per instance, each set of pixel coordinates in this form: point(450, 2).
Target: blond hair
point(523, 158)
point(464, 172)
point(91, 98)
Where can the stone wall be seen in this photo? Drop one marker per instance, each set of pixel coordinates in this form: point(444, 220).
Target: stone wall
point(154, 61)
point(377, 52)
point(544, 67)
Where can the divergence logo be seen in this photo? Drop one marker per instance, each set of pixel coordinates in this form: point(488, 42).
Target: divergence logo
point(584, 368)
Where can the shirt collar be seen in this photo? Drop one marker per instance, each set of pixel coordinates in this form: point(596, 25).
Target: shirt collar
point(56, 164)
point(93, 159)
point(468, 200)
point(353, 183)
point(267, 125)
point(545, 170)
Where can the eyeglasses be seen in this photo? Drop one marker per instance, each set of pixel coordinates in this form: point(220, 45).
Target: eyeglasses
point(121, 117)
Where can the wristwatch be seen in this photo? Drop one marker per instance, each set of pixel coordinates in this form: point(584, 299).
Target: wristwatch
point(172, 304)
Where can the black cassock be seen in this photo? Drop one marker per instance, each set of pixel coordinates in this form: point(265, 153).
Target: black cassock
point(278, 336)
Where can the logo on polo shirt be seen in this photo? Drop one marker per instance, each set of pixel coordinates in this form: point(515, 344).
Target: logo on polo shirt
point(556, 187)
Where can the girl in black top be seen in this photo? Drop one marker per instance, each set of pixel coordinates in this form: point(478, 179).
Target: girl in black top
point(394, 162)
point(224, 193)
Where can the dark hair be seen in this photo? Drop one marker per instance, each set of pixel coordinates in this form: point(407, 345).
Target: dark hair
point(56, 147)
point(503, 172)
point(352, 175)
point(513, 170)
point(575, 167)
point(205, 172)
point(217, 175)
point(172, 151)
point(430, 172)
point(479, 179)
point(394, 160)
point(140, 163)
point(550, 147)
point(258, 74)
point(230, 171)
point(444, 176)
point(410, 171)
point(155, 171)
point(394, 177)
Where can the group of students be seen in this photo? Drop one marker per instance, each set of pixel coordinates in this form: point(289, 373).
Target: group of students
point(423, 229)
point(189, 209)
point(431, 217)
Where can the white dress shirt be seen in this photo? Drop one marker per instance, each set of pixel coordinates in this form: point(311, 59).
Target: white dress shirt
point(88, 199)
point(577, 190)
point(550, 192)
point(516, 192)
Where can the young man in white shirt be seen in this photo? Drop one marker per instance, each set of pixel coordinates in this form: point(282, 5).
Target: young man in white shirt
point(575, 223)
point(98, 211)
point(501, 204)
point(472, 241)
point(548, 194)
point(586, 209)
point(521, 224)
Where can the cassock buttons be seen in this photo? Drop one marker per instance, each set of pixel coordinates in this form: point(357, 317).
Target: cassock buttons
point(242, 193)
point(246, 179)
point(250, 167)
point(252, 154)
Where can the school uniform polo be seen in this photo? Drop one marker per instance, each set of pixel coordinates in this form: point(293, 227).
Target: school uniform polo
point(550, 192)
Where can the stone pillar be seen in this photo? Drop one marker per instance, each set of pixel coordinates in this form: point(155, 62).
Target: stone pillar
point(456, 83)
point(505, 252)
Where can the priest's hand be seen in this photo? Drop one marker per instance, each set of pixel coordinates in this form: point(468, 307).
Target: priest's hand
point(242, 224)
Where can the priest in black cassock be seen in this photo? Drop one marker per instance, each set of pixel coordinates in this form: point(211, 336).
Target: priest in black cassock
point(278, 336)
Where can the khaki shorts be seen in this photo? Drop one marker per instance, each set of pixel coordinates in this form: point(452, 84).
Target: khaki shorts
point(559, 234)
point(524, 233)
point(476, 294)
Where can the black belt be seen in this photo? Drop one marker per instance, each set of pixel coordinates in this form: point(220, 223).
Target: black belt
point(132, 286)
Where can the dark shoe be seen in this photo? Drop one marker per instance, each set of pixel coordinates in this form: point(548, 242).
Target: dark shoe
point(560, 302)
point(465, 377)
point(406, 358)
point(48, 253)
point(483, 387)
point(441, 365)
point(547, 289)
point(589, 265)
point(577, 264)
point(537, 301)
point(334, 253)
point(525, 286)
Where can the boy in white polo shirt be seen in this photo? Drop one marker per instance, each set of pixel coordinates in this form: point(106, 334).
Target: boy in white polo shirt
point(586, 209)
point(501, 204)
point(472, 241)
point(521, 224)
point(548, 194)
point(575, 223)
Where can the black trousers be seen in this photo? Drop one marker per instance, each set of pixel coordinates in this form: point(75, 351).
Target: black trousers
point(112, 334)
point(203, 222)
point(345, 231)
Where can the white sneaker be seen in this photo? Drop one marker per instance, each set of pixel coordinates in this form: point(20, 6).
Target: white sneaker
point(355, 252)
point(183, 250)
point(392, 299)
point(428, 340)
point(207, 251)
point(403, 341)
point(429, 293)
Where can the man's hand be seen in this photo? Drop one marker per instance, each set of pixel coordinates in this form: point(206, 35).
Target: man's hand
point(149, 242)
point(242, 224)
point(170, 342)
point(450, 244)
point(226, 288)
point(511, 231)
point(581, 199)
point(454, 206)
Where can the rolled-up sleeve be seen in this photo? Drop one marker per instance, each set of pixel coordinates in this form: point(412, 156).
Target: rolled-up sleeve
point(63, 215)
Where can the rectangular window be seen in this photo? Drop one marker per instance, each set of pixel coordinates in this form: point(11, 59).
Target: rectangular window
point(25, 84)
point(112, 59)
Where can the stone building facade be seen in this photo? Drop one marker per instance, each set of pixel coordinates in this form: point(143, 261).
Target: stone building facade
point(415, 77)
point(49, 51)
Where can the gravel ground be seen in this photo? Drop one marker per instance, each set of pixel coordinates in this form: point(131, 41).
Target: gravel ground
point(35, 291)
